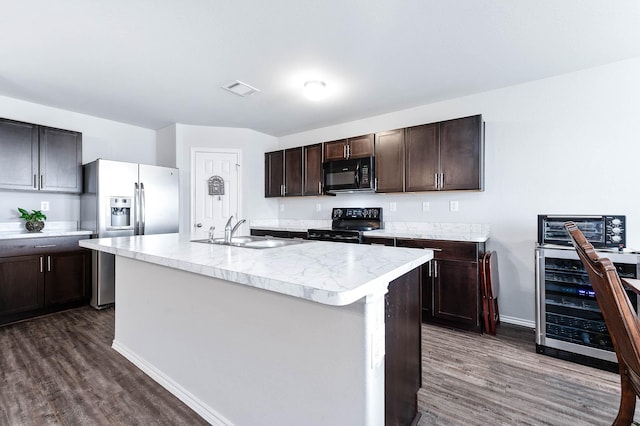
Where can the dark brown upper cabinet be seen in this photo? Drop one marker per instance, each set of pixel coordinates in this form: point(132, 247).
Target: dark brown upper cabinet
point(293, 172)
point(422, 157)
point(357, 147)
point(389, 165)
point(39, 158)
point(274, 174)
point(445, 156)
point(313, 169)
point(283, 173)
point(60, 160)
point(462, 154)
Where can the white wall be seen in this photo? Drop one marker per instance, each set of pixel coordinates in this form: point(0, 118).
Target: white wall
point(100, 139)
point(566, 145)
point(253, 146)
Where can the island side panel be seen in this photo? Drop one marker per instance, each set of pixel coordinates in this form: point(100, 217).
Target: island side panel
point(244, 356)
point(403, 359)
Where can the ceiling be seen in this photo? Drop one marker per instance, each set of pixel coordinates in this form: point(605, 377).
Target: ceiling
point(152, 63)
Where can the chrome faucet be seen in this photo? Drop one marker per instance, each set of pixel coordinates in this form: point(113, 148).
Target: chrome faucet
point(229, 231)
point(211, 229)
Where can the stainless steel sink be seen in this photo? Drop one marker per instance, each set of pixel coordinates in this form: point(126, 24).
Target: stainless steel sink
point(270, 243)
point(253, 242)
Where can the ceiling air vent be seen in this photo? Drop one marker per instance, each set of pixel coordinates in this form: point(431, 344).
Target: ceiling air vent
point(240, 88)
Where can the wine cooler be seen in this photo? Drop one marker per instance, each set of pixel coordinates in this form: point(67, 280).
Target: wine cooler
point(569, 323)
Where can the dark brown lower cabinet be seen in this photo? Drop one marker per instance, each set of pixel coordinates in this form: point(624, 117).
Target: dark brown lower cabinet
point(39, 276)
point(21, 285)
point(403, 357)
point(450, 282)
point(67, 277)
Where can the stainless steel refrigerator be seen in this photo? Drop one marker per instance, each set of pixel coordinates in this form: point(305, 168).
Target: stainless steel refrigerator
point(124, 199)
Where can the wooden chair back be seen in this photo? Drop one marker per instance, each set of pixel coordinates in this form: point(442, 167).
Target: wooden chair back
point(619, 316)
point(490, 285)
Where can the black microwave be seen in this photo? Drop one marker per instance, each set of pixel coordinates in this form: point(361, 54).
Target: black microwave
point(600, 231)
point(354, 174)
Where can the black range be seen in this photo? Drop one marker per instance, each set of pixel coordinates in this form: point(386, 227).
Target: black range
point(348, 224)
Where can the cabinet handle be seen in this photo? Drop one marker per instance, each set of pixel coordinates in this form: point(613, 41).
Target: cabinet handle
point(344, 151)
point(41, 270)
point(319, 188)
point(441, 180)
point(35, 181)
point(44, 246)
point(41, 181)
point(48, 263)
point(434, 249)
point(430, 273)
point(281, 190)
point(375, 184)
point(435, 180)
point(435, 269)
point(348, 151)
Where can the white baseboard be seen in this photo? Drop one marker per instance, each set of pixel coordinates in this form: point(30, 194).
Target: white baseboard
point(204, 410)
point(518, 321)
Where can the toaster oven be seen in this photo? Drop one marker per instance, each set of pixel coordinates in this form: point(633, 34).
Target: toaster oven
point(600, 231)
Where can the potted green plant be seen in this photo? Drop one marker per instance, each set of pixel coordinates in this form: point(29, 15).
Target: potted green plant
point(35, 219)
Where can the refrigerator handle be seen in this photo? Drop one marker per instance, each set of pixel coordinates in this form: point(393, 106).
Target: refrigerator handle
point(142, 206)
point(136, 212)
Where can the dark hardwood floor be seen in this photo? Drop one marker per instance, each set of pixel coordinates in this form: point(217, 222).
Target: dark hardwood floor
point(61, 370)
point(472, 379)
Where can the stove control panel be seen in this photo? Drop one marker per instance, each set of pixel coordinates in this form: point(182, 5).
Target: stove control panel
point(357, 218)
point(357, 213)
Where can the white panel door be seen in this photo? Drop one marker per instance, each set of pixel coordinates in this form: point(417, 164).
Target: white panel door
point(215, 210)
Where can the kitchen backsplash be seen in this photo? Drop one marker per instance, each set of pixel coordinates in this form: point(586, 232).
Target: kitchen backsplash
point(49, 226)
point(294, 224)
point(437, 228)
point(466, 231)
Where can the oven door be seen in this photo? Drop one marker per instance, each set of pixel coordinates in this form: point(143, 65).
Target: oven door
point(551, 229)
point(336, 236)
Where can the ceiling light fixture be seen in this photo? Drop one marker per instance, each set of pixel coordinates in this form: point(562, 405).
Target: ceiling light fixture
point(315, 90)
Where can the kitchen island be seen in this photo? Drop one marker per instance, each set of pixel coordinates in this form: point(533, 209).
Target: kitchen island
point(287, 335)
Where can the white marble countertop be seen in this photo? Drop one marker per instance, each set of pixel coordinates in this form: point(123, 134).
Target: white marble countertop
point(329, 273)
point(474, 232)
point(15, 230)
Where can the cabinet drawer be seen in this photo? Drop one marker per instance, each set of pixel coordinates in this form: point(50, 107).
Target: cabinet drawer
point(442, 249)
point(383, 241)
point(27, 246)
point(278, 233)
point(270, 233)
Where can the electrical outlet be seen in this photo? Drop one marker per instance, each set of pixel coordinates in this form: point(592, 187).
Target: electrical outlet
point(318, 207)
point(44, 206)
point(454, 206)
point(392, 207)
point(425, 206)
